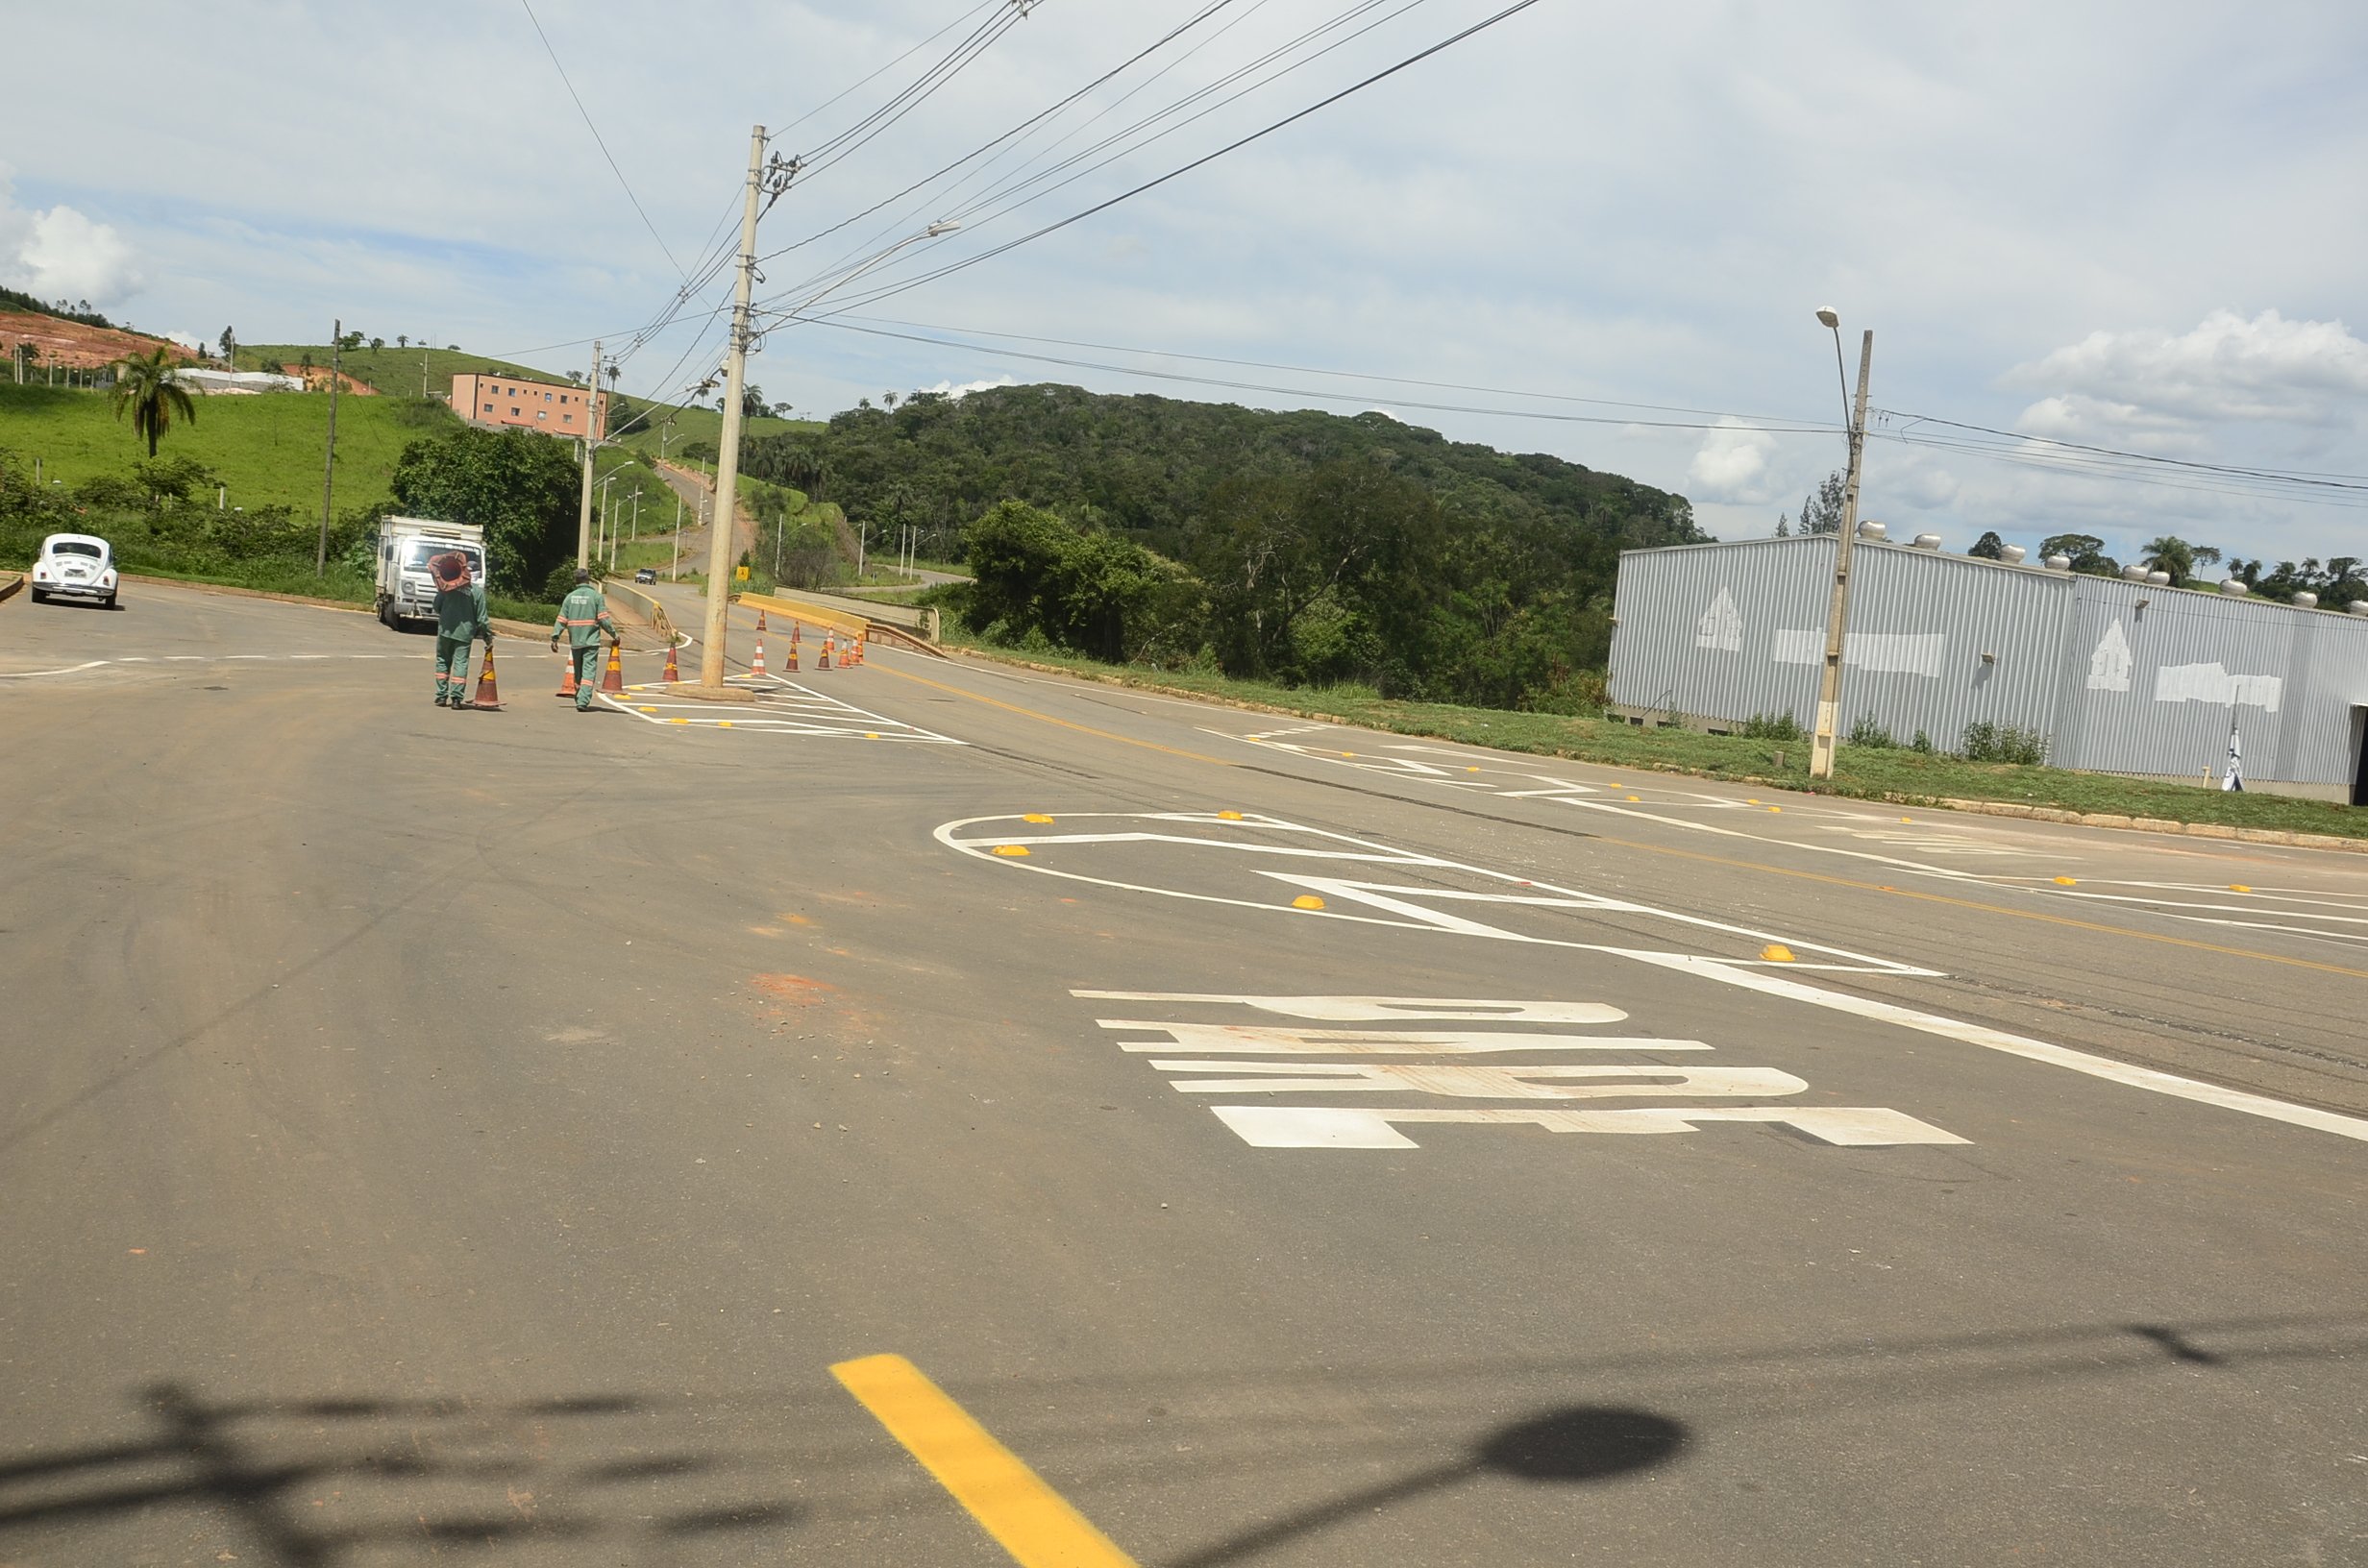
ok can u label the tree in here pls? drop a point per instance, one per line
(2085, 550)
(521, 485)
(229, 339)
(145, 384)
(888, 400)
(1989, 547)
(377, 344)
(1821, 512)
(1784, 525)
(615, 373)
(780, 410)
(2172, 555)
(752, 401)
(403, 340)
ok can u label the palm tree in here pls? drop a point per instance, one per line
(403, 340)
(888, 399)
(2172, 555)
(144, 383)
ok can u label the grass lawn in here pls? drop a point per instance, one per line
(1862, 771)
(266, 448)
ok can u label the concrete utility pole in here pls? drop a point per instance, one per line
(1838, 613)
(728, 459)
(591, 440)
(328, 465)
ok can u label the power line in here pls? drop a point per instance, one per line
(1104, 206)
(2301, 477)
(597, 138)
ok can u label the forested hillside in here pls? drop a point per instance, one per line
(1300, 546)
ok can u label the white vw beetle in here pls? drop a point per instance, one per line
(75, 566)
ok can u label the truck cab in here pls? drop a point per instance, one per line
(405, 592)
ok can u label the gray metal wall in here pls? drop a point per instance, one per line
(1726, 631)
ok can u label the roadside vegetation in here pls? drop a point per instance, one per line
(1777, 756)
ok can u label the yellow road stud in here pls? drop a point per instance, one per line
(1776, 952)
(1307, 900)
(1011, 848)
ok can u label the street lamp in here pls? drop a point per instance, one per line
(1837, 611)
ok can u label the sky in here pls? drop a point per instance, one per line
(1592, 230)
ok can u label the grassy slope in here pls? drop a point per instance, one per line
(708, 424)
(1859, 772)
(267, 449)
(390, 369)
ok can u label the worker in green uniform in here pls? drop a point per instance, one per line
(460, 619)
(584, 615)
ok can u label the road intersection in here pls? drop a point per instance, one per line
(1286, 1144)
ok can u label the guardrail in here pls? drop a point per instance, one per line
(921, 619)
(650, 609)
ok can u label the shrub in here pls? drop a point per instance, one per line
(1923, 743)
(1985, 742)
(1772, 727)
(1868, 731)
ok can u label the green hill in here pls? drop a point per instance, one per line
(391, 370)
(268, 449)
(1299, 546)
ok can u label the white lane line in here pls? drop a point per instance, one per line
(67, 670)
(2011, 1045)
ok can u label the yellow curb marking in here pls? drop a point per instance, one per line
(2067, 881)
(1035, 817)
(1229, 816)
(1030, 1520)
(2238, 887)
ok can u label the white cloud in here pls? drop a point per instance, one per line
(952, 389)
(1732, 464)
(2225, 368)
(62, 255)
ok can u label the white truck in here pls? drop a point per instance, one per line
(405, 590)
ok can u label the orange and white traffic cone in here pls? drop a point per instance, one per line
(827, 644)
(567, 672)
(672, 673)
(760, 623)
(855, 648)
(612, 679)
(488, 695)
(756, 665)
(790, 667)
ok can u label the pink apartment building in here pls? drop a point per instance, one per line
(554, 407)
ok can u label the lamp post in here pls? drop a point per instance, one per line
(1837, 611)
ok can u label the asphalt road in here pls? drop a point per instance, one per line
(434, 1133)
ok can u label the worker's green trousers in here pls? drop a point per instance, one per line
(452, 670)
(588, 673)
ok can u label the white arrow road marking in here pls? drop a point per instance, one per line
(1330, 1127)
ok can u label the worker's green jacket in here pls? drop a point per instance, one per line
(584, 615)
(460, 613)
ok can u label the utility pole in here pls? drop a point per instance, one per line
(591, 440)
(328, 465)
(1838, 613)
(728, 459)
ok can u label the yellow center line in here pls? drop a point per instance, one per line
(1065, 723)
(1031, 1521)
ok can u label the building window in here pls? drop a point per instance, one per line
(567, 419)
(489, 407)
(546, 396)
(540, 414)
(513, 413)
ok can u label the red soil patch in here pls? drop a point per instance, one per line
(71, 343)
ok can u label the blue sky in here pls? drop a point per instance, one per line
(2129, 225)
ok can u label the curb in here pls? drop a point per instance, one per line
(8, 590)
(1981, 808)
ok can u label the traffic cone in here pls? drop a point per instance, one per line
(826, 644)
(761, 622)
(567, 672)
(672, 673)
(488, 696)
(856, 646)
(756, 665)
(612, 679)
(791, 666)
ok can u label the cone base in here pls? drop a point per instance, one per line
(712, 694)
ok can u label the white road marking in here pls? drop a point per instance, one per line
(67, 670)
(2011, 1045)
(1401, 905)
(1549, 1081)
(1259, 1040)
(1360, 1127)
(1377, 1008)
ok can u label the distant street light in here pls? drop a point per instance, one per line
(1837, 611)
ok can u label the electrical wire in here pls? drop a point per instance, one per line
(2305, 476)
(597, 139)
(1024, 125)
(1235, 145)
